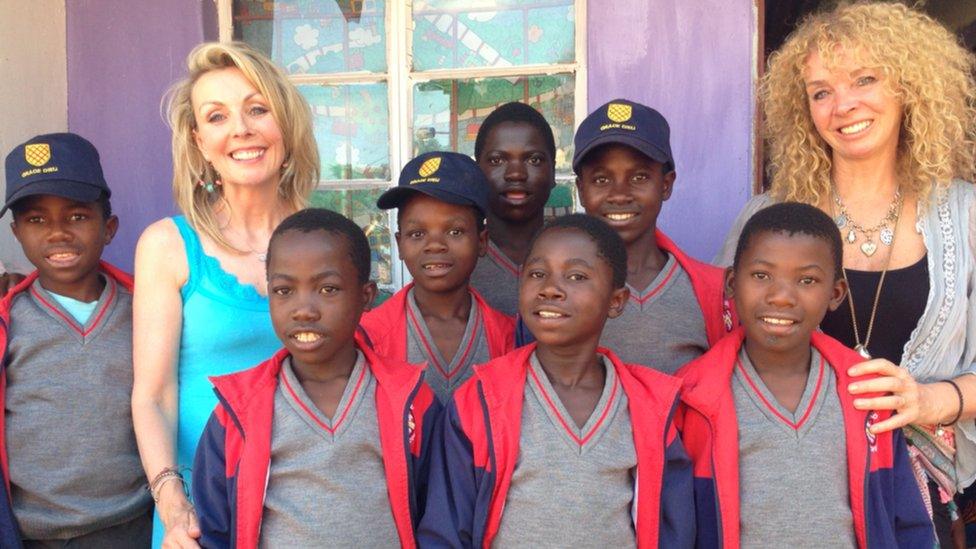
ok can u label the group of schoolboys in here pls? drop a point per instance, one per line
(419, 422)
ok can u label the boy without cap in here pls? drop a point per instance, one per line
(326, 442)
(782, 458)
(516, 151)
(438, 318)
(66, 332)
(560, 443)
(625, 172)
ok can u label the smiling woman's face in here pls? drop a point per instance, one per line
(236, 131)
(852, 108)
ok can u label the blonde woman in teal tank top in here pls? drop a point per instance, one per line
(243, 159)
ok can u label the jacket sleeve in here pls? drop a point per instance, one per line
(210, 484)
(677, 495)
(913, 526)
(448, 520)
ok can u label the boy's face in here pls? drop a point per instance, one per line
(566, 290)
(519, 169)
(439, 242)
(783, 286)
(315, 296)
(64, 239)
(624, 188)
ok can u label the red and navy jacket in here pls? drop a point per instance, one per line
(884, 497)
(708, 283)
(386, 326)
(477, 448)
(9, 530)
(232, 463)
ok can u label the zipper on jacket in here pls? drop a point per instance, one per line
(718, 505)
(867, 476)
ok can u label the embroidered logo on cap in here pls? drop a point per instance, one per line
(429, 166)
(618, 112)
(37, 154)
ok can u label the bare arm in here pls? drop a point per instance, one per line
(157, 311)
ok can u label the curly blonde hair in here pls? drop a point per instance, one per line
(925, 68)
(300, 172)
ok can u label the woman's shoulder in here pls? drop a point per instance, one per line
(163, 233)
(161, 247)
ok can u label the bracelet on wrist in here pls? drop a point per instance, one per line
(940, 428)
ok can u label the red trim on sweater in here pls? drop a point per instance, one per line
(502, 260)
(70, 321)
(657, 289)
(342, 414)
(772, 408)
(555, 409)
(432, 353)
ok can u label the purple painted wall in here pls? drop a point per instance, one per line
(122, 56)
(692, 61)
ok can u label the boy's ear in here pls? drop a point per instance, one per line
(483, 241)
(729, 282)
(111, 227)
(838, 294)
(618, 301)
(668, 184)
(369, 294)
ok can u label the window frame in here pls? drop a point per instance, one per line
(400, 80)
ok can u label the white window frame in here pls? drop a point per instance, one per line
(400, 81)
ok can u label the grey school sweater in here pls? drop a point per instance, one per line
(73, 463)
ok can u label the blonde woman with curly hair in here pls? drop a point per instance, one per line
(244, 158)
(870, 115)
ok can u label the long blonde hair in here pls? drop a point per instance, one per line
(924, 66)
(300, 173)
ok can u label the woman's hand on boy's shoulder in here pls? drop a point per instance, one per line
(901, 394)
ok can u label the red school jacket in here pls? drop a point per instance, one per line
(884, 497)
(477, 447)
(233, 459)
(9, 530)
(386, 326)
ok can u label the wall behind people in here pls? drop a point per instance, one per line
(33, 87)
(694, 62)
(122, 56)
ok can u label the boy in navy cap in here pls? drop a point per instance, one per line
(625, 172)
(67, 366)
(438, 318)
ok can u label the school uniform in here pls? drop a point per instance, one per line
(750, 453)
(60, 378)
(511, 467)
(397, 329)
(496, 277)
(271, 469)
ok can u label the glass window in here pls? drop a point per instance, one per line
(387, 81)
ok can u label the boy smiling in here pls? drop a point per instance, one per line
(560, 443)
(766, 411)
(326, 442)
(66, 332)
(625, 172)
(438, 319)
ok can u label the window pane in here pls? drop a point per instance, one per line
(360, 206)
(352, 130)
(492, 33)
(317, 37)
(448, 113)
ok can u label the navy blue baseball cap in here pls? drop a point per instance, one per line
(447, 176)
(628, 123)
(62, 164)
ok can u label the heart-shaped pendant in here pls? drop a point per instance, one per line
(868, 248)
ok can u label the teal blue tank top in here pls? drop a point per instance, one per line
(226, 328)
